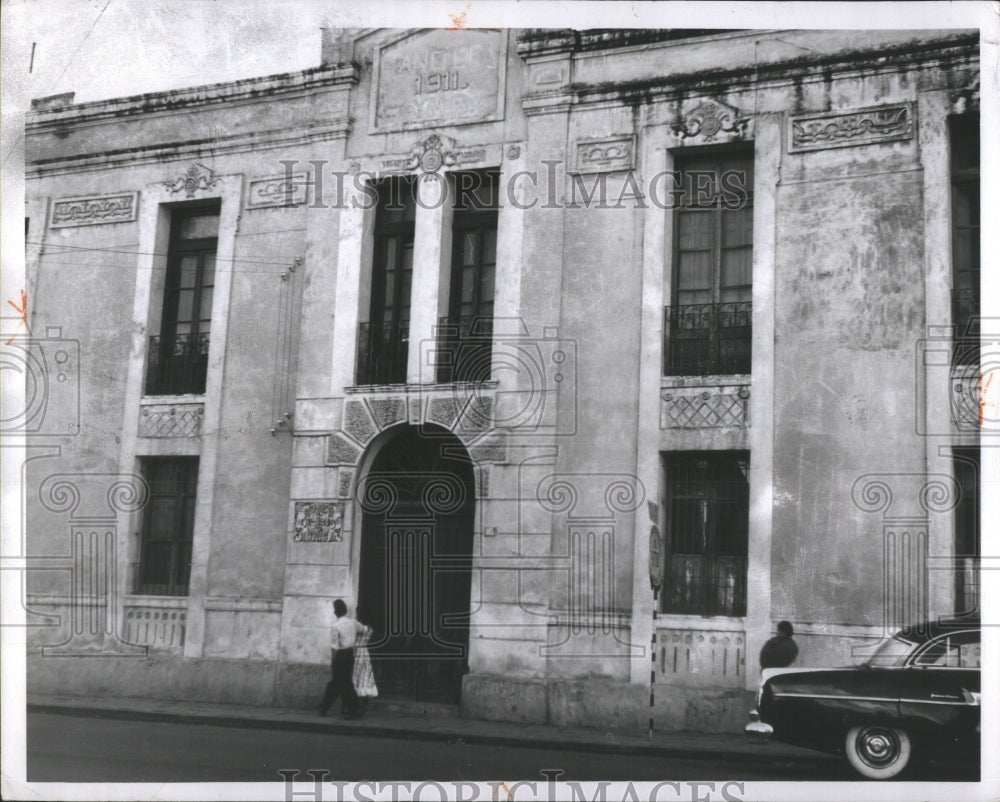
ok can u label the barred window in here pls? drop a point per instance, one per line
(466, 347)
(383, 340)
(168, 526)
(707, 515)
(178, 357)
(707, 325)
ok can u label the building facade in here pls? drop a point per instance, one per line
(489, 332)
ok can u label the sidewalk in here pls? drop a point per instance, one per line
(436, 724)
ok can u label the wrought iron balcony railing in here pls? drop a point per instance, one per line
(705, 339)
(178, 364)
(965, 314)
(465, 349)
(382, 352)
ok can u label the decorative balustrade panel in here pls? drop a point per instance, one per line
(707, 339)
(158, 627)
(704, 407)
(702, 656)
(171, 420)
(178, 364)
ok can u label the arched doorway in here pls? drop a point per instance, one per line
(418, 506)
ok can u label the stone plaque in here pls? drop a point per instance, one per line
(279, 190)
(846, 128)
(94, 210)
(318, 521)
(439, 77)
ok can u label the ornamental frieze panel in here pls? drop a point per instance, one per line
(94, 210)
(279, 190)
(866, 126)
(605, 155)
(705, 121)
(439, 77)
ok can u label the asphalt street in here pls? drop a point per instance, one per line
(74, 748)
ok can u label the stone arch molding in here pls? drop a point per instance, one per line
(470, 417)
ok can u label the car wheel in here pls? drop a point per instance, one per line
(877, 752)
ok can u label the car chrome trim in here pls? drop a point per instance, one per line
(841, 696)
(848, 698)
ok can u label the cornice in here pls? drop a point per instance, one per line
(198, 148)
(270, 86)
(947, 52)
(540, 42)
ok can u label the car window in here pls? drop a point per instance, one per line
(960, 650)
(891, 652)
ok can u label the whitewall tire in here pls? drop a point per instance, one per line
(876, 751)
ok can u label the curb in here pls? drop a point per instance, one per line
(407, 733)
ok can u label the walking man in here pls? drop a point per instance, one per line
(343, 636)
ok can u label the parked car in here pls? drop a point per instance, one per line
(915, 697)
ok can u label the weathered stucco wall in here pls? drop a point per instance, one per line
(839, 231)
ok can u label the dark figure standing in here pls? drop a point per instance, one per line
(780, 650)
(343, 635)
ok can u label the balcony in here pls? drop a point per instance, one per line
(382, 353)
(707, 339)
(465, 349)
(178, 364)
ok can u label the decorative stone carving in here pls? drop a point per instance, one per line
(281, 190)
(482, 475)
(702, 657)
(95, 210)
(431, 154)
(157, 627)
(468, 412)
(344, 488)
(388, 411)
(443, 411)
(198, 178)
(707, 120)
(341, 452)
(477, 415)
(843, 129)
(436, 77)
(605, 155)
(358, 423)
(704, 407)
(493, 449)
(171, 420)
(318, 522)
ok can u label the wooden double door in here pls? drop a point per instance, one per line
(416, 564)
